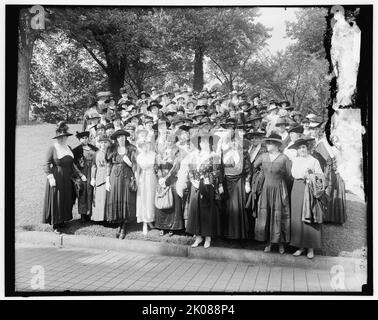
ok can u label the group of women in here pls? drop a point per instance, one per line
(250, 172)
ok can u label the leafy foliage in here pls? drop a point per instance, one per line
(63, 79)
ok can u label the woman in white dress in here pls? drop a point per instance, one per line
(146, 181)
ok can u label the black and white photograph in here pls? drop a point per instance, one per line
(188, 150)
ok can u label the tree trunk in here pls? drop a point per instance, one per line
(23, 85)
(115, 81)
(198, 68)
(27, 37)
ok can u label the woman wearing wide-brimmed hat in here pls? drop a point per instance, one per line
(255, 150)
(120, 178)
(273, 217)
(60, 169)
(84, 155)
(203, 170)
(304, 234)
(98, 177)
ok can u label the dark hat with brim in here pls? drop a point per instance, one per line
(119, 132)
(281, 122)
(305, 120)
(201, 106)
(199, 114)
(185, 127)
(244, 103)
(154, 103)
(143, 92)
(137, 115)
(171, 113)
(256, 95)
(83, 134)
(297, 129)
(274, 137)
(286, 102)
(255, 134)
(300, 142)
(62, 130)
(251, 120)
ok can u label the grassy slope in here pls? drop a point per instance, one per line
(31, 145)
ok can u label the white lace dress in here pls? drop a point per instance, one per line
(147, 182)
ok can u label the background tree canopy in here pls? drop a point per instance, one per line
(87, 49)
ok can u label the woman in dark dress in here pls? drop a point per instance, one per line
(255, 150)
(166, 167)
(84, 155)
(304, 235)
(203, 171)
(121, 202)
(273, 220)
(237, 176)
(60, 190)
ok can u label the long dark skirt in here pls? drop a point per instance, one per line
(121, 201)
(204, 213)
(336, 207)
(303, 235)
(85, 200)
(235, 219)
(273, 220)
(59, 200)
(170, 219)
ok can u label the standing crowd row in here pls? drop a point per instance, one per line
(210, 165)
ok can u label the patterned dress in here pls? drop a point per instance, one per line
(84, 160)
(99, 192)
(146, 181)
(273, 220)
(204, 215)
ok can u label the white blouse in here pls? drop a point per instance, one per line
(62, 151)
(301, 165)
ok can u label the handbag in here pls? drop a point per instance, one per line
(163, 198)
(132, 184)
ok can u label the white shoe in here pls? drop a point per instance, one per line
(310, 253)
(298, 252)
(145, 228)
(197, 242)
(207, 242)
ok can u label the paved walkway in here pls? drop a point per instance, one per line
(40, 268)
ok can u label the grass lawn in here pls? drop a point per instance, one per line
(32, 143)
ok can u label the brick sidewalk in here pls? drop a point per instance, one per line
(77, 269)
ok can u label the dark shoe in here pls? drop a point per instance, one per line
(82, 218)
